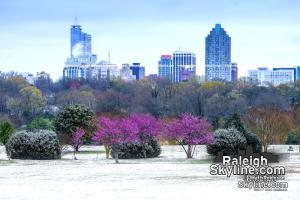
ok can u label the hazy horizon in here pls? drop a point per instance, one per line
(35, 35)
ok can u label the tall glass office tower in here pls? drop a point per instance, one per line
(81, 54)
(218, 55)
(81, 43)
(184, 66)
(165, 66)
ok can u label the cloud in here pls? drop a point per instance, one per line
(77, 50)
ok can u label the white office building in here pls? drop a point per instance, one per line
(102, 70)
(126, 73)
(264, 77)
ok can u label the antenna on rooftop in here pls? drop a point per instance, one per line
(109, 56)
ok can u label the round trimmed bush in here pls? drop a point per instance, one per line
(227, 141)
(40, 145)
(135, 150)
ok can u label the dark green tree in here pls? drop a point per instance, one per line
(294, 137)
(6, 130)
(71, 118)
(234, 121)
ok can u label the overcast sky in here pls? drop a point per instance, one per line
(35, 34)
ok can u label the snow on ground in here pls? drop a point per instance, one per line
(169, 177)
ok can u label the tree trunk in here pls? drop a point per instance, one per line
(74, 155)
(265, 146)
(189, 152)
(106, 151)
(116, 155)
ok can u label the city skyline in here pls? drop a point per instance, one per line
(39, 40)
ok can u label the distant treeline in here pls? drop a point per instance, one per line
(21, 102)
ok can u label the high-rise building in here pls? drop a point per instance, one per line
(218, 55)
(138, 71)
(126, 73)
(81, 43)
(264, 77)
(74, 71)
(298, 72)
(165, 66)
(234, 72)
(81, 54)
(294, 69)
(184, 65)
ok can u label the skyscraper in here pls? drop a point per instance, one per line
(81, 56)
(234, 72)
(218, 55)
(138, 71)
(81, 43)
(165, 66)
(184, 65)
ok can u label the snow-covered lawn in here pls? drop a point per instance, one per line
(169, 177)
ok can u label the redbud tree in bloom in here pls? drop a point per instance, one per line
(76, 140)
(112, 131)
(189, 131)
(148, 126)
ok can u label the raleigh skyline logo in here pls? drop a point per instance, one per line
(258, 175)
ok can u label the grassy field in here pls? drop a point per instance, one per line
(171, 176)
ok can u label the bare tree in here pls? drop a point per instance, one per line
(270, 124)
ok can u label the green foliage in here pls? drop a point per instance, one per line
(227, 141)
(234, 121)
(212, 84)
(253, 141)
(135, 150)
(294, 137)
(39, 123)
(6, 130)
(71, 118)
(159, 97)
(32, 102)
(40, 145)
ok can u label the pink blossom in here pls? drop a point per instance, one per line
(107, 131)
(189, 130)
(148, 126)
(76, 138)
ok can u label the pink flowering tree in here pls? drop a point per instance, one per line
(128, 132)
(107, 132)
(189, 131)
(148, 126)
(114, 131)
(76, 140)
